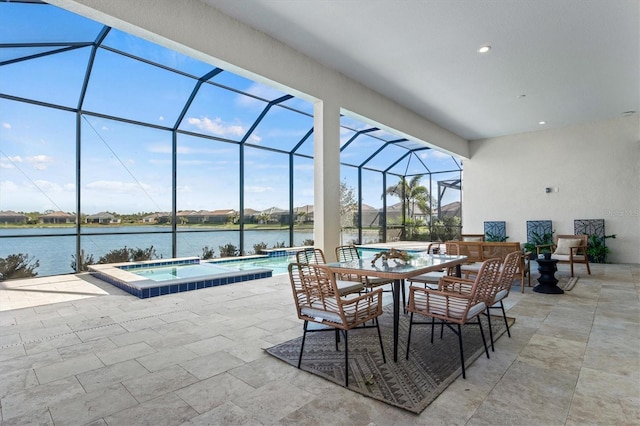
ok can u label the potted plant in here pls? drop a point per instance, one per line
(495, 238)
(597, 250)
(539, 240)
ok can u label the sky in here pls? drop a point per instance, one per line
(127, 168)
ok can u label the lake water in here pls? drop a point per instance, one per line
(55, 252)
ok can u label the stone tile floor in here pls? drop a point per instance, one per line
(75, 350)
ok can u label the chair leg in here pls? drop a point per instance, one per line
(384, 359)
(588, 268)
(464, 376)
(571, 269)
(484, 341)
(304, 336)
(504, 315)
(433, 326)
(409, 335)
(337, 339)
(490, 329)
(346, 360)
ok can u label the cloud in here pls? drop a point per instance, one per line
(116, 186)
(257, 189)
(39, 162)
(217, 127)
(6, 125)
(261, 91)
(434, 154)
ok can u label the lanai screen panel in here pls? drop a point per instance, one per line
(220, 112)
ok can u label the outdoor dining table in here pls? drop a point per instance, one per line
(398, 271)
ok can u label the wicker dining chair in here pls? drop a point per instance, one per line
(348, 253)
(315, 256)
(317, 300)
(432, 279)
(502, 287)
(499, 290)
(455, 306)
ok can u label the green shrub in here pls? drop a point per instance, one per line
(279, 245)
(18, 266)
(207, 253)
(258, 247)
(308, 242)
(85, 261)
(128, 255)
(229, 250)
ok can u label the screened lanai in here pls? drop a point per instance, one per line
(108, 140)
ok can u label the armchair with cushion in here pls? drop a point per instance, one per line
(472, 237)
(568, 249)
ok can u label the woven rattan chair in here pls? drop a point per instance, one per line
(431, 279)
(349, 253)
(315, 256)
(317, 300)
(457, 306)
(502, 287)
(499, 291)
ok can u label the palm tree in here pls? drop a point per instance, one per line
(413, 194)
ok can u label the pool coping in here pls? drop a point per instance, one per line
(114, 274)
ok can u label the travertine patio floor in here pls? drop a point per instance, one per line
(75, 350)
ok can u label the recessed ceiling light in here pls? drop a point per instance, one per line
(484, 49)
(542, 122)
(626, 113)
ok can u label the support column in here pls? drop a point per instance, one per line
(326, 151)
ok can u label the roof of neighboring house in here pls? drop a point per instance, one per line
(274, 210)
(11, 213)
(451, 209)
(101, 215)
(398, 207)
(57, 214)
(304, 209)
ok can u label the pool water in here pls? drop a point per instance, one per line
(166, 273)
(278, 264)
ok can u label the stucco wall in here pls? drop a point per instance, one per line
(595, 168)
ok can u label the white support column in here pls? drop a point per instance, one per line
(326, 150)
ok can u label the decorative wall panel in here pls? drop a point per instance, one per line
(539, 227)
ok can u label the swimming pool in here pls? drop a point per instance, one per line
(160, 277)
(157, 278)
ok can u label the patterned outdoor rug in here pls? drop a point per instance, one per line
(567, 283)
(411, 384)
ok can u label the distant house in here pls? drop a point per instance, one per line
(57, 218)
(304, 214)
(450, 210)
(223, 216)
(9, 216)
(156, 218)
(370, 216)
(394, 213)
(103, 218)
(275, 215)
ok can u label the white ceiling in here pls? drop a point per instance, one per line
(575, 60)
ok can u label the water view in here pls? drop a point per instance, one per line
(54, 251)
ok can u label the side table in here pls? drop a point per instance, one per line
(548, 283)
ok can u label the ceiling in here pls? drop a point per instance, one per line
(560, 61)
